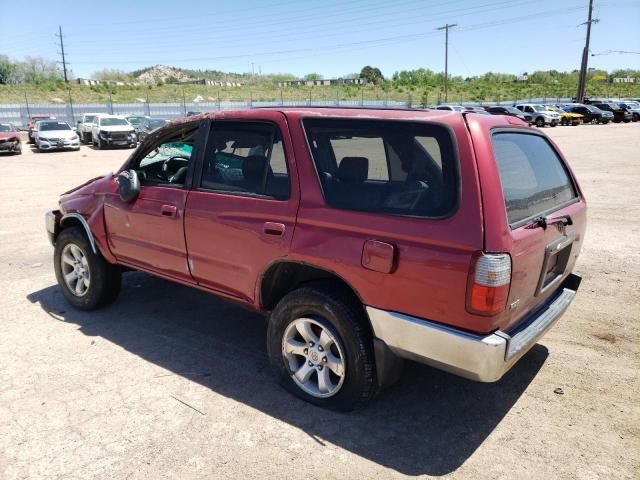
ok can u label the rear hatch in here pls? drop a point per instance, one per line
(545, 220)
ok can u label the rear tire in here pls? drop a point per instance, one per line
(329, 317)
(86, 279)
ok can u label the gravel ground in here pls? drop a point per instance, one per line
(169, 382)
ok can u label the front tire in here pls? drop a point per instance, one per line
(539, 122)
(320, 348)
(86, 279)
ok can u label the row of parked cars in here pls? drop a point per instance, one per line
(560, 114)
(100, 130)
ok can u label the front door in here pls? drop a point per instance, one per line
(241, 212)
(149, 232)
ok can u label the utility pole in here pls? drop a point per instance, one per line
(582, 82)
(64, 61)
(446, 58)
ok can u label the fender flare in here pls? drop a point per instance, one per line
(85, 225)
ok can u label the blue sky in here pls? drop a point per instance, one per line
(331, 37)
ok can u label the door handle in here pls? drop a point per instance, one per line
(168, 210)
(272, 228)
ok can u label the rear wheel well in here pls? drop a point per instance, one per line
(284, 277)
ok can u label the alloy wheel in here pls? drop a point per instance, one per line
(315, 357)
(75, 270)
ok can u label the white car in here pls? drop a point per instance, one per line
(85, 125)
(55, 135)
(113, 131)
(540, 115)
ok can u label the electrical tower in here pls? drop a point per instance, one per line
(62, 54)
(446, 58)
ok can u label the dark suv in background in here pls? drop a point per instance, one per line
(591, 113)
(619, 113)
(510, 111)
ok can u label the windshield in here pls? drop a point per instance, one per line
(614, 106)
(90, 119)
(153, 124)
(538, 108)
(135, 120)
(49, 126)
(112, 122)
(6, 128)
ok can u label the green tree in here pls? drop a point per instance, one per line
(312, 76)
(372, 74)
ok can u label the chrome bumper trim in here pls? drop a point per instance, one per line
(484, 358)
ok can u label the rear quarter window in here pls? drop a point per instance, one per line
(387, 167)
(534, 179)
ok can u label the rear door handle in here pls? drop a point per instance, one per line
(168, 210)
(272, 228)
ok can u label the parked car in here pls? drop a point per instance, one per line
(112, 131)
(9, 139)
(449, 239)
(509, 111)
(150, 125)
(567, 118)
(476, 109)
(619, 113)
(590, 113)
(32, 125)
(136, 122)
(455, 108)
(85, 125)
(633, 108)
(55, 135)
(540, 115)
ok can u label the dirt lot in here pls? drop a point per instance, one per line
(173, 383)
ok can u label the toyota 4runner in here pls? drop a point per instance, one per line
(365, 237)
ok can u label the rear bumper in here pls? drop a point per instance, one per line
(481, 358)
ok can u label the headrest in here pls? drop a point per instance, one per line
(253, 168)
(353, 169)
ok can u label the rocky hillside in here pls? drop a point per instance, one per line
(162, 73)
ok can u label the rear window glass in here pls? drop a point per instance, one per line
(534, 179)
(388, 167)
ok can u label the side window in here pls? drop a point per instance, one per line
(246, 158)
(166, 164)
(392, 167)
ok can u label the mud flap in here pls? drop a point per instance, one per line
(388, 365)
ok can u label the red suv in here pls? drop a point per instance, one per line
(366, 236)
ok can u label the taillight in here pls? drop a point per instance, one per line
(488, 283)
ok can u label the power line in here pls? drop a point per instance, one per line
(64, 61)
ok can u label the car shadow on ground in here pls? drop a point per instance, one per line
(430, 422)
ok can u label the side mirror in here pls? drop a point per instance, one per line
(128, 185)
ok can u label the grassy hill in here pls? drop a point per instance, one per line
(477, 92)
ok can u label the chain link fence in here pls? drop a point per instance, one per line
(19, 114)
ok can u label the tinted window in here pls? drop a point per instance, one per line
(384, 166)
(246, 158)
(534, 179)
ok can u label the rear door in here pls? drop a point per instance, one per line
(241, 213)
(545, 218)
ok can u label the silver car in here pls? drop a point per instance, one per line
(55, 135)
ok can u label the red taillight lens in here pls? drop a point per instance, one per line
(488, 283)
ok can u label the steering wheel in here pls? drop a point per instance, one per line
(165, 164)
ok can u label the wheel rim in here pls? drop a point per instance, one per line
(75, 269)
(315, 357)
